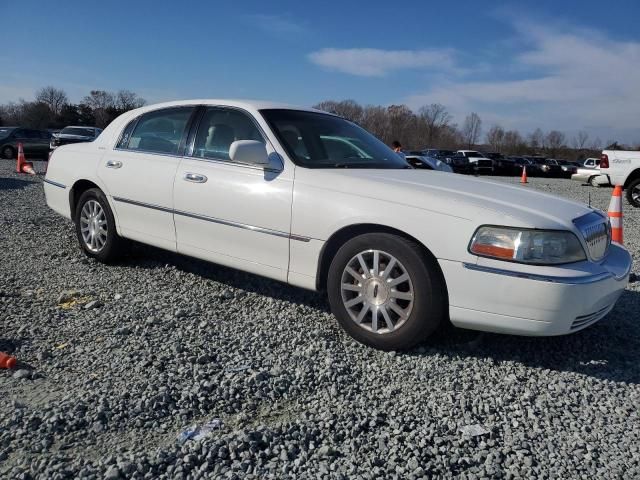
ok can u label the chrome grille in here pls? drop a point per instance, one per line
(596, 231)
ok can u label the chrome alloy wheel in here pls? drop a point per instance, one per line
(377, 291)
(93, 226)
(635, 194)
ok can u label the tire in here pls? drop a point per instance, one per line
(9, 153)
(633, 193)
(592, 181)
(421, 315)
(104, 247)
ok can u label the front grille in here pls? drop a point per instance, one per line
(585, 320)
(485, 164)
(596, 231)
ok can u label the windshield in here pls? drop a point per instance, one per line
(318, 140)
(84, 132)
(4, 132)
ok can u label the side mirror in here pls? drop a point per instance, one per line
(249, 151)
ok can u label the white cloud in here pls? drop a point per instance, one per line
(570, 79)
(371, 62)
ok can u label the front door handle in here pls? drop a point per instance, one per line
(113, 164)
(195, 177)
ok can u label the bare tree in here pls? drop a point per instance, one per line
(127, 100)
(580, 141)
(53, 97)
(100, 102)
(349, 109)
(402, 125)
(434, 118)
(495, 137)
(513, 142)
(596, 144)
(554, 141)
(536, 140)
(376, 121)
(471, 129)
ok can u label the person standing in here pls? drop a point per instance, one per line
(397, 147)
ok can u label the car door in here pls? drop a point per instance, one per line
(229, 213)
(139, 173)
(20, 136)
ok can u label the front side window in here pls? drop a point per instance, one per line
(160, 131)
(318, 140)
(219, 128)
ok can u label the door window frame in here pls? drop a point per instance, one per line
(183, 139)
(191, 139)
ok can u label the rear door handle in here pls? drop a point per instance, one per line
(194, 177)
(113, 164)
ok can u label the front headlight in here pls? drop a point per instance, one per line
(538, 247)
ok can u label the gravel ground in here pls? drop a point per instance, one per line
(116, 362)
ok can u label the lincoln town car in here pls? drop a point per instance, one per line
(313, 200)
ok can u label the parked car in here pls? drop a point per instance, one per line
(589, 172)
(567, 168)
(622, 167)
(458, 163)
(543, 168)
(502, 165)
(254, 186)
(74, 135)
(425, 162)
(482, 164)
(35, 143)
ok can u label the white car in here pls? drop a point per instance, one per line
(483, 164)
(590, 173)
(310, 199)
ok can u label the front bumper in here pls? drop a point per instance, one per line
(502, 300)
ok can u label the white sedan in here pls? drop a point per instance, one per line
(310, 199)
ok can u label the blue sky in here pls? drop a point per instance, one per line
(571, 65)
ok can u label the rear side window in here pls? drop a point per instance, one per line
(159, 132)
(219, 128)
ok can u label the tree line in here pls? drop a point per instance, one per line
(432, 126)
(52, 109)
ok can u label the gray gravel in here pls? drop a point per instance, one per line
(116, 362)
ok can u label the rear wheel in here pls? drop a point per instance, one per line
(9, 153)
(633, 193)
(96, 228)
(592, 181)
(385, 291)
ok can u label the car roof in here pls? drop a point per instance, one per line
(246, 104)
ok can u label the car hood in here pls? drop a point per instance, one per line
(452, 194)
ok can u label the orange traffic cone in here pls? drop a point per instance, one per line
(7, 361)
(27, 167)
(615, 215)
(21, 159)
(523, 178)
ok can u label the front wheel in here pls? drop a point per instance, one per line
(8, 153)
(96, 227)
(633, 193)
(386, 292)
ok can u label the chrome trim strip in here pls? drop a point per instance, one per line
(541, 278)
(205, 218)
(142, 204)
(55, 184)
